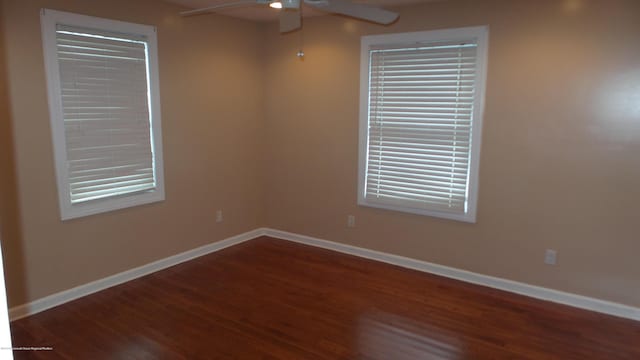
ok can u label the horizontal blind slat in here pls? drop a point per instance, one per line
(112, 184)
(96, 195)
(446, 185)
(426, 197)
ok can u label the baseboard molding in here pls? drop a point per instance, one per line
(537, 292)
(60, 298)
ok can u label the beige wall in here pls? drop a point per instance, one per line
(559, 163)
(10, 234)
(211, 85)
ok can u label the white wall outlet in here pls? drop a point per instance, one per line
(351, 221)
(550, 257)
(219, 216)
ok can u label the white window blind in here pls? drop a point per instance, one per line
(421, 100)
(104, 100)
(105, 106)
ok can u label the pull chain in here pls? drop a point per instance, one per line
(300, 53)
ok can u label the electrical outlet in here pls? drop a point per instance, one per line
(550, 257)
(351, 221)
(219, 216)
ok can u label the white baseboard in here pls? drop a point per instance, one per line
(537, 292)
(62, 297)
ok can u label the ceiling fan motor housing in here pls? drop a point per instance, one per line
(290, 4)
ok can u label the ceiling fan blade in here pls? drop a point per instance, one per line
(358, 11)
(213, 8)
(290, 20)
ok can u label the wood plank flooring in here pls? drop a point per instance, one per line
(272, 299)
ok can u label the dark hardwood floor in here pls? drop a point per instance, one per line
(272, 299)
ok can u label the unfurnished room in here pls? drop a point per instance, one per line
(320, 179)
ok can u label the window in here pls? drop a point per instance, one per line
(421, 104)
(102, 78)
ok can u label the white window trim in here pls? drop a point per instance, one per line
(481, 34)
(49, 20)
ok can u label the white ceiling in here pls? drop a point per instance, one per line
(265, 13)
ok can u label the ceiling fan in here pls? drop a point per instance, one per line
(290, 15)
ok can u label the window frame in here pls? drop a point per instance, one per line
(478, 33)
(49, 20)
